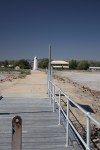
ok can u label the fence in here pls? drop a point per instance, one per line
(52, 88)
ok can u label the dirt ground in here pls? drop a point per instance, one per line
(83, 88)
(34, 85)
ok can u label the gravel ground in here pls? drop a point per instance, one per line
(3, 76)
(8, 76)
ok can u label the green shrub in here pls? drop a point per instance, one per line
(83, 65)
(24, 73)
(43, 64)
(73, 64)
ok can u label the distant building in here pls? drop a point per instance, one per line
(60, 64)
(10, 66)
(94, 68)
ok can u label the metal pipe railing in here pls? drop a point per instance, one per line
(59, 104)
(89, 118)
(53, 96)
(67, 125)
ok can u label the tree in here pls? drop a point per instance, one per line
(1, 63)
(83, 65)
(23, 64)
(5, 63)
(94, 63)
(43, 63)
(73, 64)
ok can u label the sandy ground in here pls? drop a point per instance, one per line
(88, 79)
(82, 87)
(34, 85)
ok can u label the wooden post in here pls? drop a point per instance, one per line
(17, 133)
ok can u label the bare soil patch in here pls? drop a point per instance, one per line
(79, 91)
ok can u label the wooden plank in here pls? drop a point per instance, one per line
(40, 125)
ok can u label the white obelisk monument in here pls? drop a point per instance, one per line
(35, 65)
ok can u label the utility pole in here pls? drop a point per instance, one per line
(49, 62)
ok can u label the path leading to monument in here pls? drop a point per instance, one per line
(34, 85)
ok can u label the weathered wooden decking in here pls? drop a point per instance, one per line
(40, 129)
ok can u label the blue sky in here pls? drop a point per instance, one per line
(72, 27)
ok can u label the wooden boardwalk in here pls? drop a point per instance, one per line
(40, 129)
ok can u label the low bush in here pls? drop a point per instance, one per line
(24, 73)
